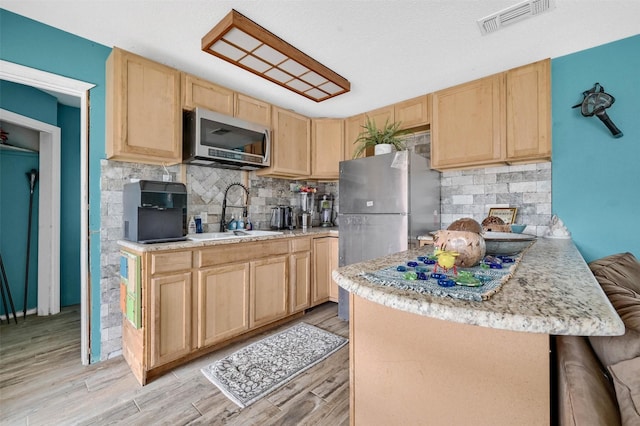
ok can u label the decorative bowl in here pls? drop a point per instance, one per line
(518, 228)
(506, 243)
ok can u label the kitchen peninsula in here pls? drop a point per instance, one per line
(422, 359)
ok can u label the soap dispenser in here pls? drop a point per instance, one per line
(192, 225)
(233, 224)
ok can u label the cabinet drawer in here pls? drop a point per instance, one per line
(300, 244)
(241, 252)
(170, 262)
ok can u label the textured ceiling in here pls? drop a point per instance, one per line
(388, 50)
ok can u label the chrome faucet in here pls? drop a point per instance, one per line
(244, 206)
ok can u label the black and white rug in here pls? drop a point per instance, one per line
(254, 371)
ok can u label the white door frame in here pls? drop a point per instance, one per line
(47, 81)
(49, 210)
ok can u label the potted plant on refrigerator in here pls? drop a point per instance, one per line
(384, 140)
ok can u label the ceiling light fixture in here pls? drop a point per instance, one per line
(242, 42)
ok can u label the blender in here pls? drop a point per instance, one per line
(326, 211)
(306, 209)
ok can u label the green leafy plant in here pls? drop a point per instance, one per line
(390, 133)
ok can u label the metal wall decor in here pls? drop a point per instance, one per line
(595, 102)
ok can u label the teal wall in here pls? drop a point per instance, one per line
(33, 44)
(36, 104)
(69, 123)
(14, 197)
(596, 177)
(14, 208)
(28, 101)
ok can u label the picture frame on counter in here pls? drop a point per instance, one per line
(507, 214)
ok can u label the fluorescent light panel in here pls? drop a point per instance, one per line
(242, 42)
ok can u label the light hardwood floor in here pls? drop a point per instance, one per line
(42, 382)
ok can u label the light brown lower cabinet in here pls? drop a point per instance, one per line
(170, 317)
(268, 291)
(223, 303)
(300, 275)
(333, 286)
(198, 300)
(325, 260)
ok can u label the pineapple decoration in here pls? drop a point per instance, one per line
(446, 260)
(462, 242)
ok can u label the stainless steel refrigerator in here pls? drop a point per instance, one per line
(386, 202)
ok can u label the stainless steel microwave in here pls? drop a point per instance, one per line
(218, 140)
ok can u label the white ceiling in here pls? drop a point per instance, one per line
(388, 50)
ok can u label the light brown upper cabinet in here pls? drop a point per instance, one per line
(529, 112)
(252, 110)
(414, 112)
(143, 114)
(290, 145)
(327, 147)
(197, 92)
(381, 115)
(468, 124)
(496, 120)
(352, 128)
(200, 93)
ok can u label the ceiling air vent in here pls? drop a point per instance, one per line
(510, 15)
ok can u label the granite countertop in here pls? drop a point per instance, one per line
(551, 292)
(312, 232)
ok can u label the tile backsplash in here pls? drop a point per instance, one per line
(471, 193)
(468, 193)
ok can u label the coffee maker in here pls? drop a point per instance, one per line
(326, 211)
(154, 211)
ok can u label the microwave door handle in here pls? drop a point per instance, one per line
(267, 153)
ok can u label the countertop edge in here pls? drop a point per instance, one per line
(177, 245)
(571, 319)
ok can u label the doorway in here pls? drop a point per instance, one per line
(79, 90)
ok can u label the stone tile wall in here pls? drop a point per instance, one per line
(205, 193)
(471, 193)
(114, 175)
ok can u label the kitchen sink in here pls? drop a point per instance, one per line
(213, 236)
